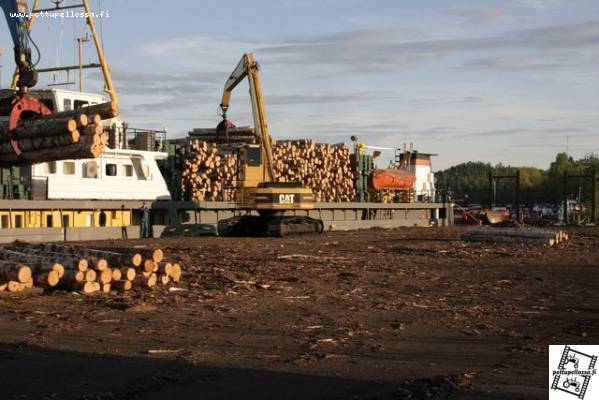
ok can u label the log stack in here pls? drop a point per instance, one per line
(210, 172)
(324, 168)
(72, 134)
(86, 270)
(534, 236)
(210, 169)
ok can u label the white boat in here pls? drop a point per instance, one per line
(119, 174)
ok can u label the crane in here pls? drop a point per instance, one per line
(16, 13)
(22, 107)
(258, 191)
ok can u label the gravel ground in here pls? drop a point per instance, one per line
(372, 314)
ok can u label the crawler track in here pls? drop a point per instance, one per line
(276, 226)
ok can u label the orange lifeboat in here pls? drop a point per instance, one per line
(393, 179)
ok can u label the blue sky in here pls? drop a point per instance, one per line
(498, 81)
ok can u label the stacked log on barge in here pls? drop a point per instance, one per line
(210, 169)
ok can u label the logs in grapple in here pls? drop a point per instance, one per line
(210, 170)
(72, 134)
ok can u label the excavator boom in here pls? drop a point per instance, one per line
(248, 67)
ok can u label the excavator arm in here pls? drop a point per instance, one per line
(248, 67)
(16, 12)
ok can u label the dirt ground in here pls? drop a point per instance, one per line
(373, 314)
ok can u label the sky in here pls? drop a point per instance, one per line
(512, 81)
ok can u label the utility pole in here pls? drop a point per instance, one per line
(80, 41)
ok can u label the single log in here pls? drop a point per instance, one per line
(116, 274)
(146, 281)
(94, 119)
(164, 279)
(177, 272)
(136, 254)
(510, 239)
(72, 280)
(166, 268)
(37, 262)
(99, 264)
(73, 151)
(109, 256)
(14, 286)
(40, 127)
(128, 273)
(86, 287)
(36, 256)
(105, 276)
(106, 287)
(516, 232)
(47, 279)
(122, 286)
(106, 110)
(90, 275)
(149, 265)
(10, 271)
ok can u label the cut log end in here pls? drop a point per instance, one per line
(157, 255)
(177, 272)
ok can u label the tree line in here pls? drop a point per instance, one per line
(537, 186)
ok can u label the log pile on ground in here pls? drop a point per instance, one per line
(72, 134)
(77, 268)
(535, 236)
(210, 169)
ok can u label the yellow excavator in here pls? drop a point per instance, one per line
(269, 205)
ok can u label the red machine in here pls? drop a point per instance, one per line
(393, 179)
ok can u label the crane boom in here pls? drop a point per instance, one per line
(16, 13)
(248, 67)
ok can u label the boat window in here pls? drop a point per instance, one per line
(128, 170)
(110, 169)
(49, 221)
(141, 169)
(4, 221)
(52, 167)
(91, 169)
(68, 168)
(18, 221)
(67, 105)
(81, 103)
(65, 221)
